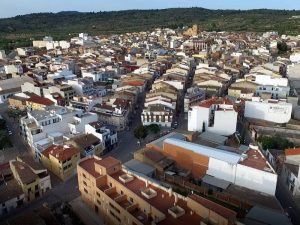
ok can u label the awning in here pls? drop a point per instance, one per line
(216, 182)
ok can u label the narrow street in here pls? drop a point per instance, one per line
(287, 202)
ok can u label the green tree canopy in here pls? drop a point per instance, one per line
(275, 142)
(140, 132)
(154, 128)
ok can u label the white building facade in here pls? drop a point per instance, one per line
(271, 110)
(220, 119)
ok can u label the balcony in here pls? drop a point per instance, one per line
(123, 202)
(139, 215)
(176, 211)
(112, 193)
(149, 193)
(125, 178)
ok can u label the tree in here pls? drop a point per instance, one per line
(140, 132)
(275, 142)
(154, 128)
(282, 47)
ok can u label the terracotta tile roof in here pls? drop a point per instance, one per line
(225, 212)
(292, 151)
(96, 125)
(60, 152)
(121, 102)
(163, 201)
(215, 101)
(255, 160)
(40, 100)
(10, 190)
(88, 164)
(108, 162)
(133, 83)
(24, 172)
(85, 140)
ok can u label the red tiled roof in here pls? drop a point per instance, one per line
(225, 212)
(60, 152)
(292, 151)
(40, 100)
(215, 101)
(255, 160)
(121, 102)
(133, 83)
(108, 162)
(96, 125)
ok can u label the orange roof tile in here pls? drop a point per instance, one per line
(292, 151)
(108, 162)
(215, 101)
(40, 100)
(61, 152)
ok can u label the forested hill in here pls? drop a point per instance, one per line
(61, 24)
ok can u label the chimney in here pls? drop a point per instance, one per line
(170, 191)
(176, 198)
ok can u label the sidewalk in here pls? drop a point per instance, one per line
(87, 216)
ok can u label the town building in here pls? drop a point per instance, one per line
(290, 171)
(216, 115)
(123, 197)
(61, 160)
(248, 168)
(9, 87)
(271, 110)
(41, 128)
(87, 144)
(31, 177)
(106, 133)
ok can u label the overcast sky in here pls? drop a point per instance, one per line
(9, 8)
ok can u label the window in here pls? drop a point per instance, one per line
(85, 184)
(98, 194)
(83, 175)
(85, 190)
(122, 192)
(131, 200)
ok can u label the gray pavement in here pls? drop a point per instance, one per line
(60, 192)
(86, 214)
(19, 147)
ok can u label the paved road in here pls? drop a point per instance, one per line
(60, 192)
(127, 143)
(19, 148)
(86, 214)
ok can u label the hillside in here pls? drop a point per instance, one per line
(18, 30)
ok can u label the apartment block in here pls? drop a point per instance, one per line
(121, 197)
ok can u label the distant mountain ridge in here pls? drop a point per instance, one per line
(60, 25)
